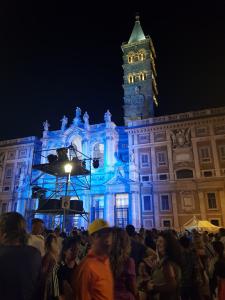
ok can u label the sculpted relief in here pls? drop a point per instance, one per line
(181, 137)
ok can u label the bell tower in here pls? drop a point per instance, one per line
(139, 80)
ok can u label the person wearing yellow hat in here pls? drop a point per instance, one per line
(93, 278)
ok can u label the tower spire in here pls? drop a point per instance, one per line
(137, 32)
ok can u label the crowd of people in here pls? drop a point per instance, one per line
(108, 263)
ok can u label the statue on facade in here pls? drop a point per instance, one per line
(86, 119)
(78, 112)
(107, 117)
(64, 121)
(46, 125)
(77, 119)
(181, 137)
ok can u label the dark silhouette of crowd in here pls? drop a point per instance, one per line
(108, 263)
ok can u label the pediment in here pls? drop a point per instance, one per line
(119, 180)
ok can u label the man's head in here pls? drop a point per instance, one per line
(37, 226)
(100, 236)
(130, 229)
(12, 229)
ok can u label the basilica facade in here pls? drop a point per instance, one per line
(152, 172)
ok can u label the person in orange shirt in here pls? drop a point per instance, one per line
(93, 278)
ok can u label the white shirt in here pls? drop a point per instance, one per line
(38, 242)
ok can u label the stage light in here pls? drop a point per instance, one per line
(95, 163)
(68, 168)
(62, 154)
(52, 158)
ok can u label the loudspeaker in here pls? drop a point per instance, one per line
(49, 204)
(65, 202)
(76, 205)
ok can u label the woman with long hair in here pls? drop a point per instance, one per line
(166, 274)
(20, 264)
(67, 266)
(123, 266)
(50, 267)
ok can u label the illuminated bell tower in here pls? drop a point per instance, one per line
(139, 84)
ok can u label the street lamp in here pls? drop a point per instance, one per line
(67, 168)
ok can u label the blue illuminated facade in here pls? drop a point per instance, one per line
(114, 192)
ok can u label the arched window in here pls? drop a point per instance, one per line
(184, 173)
(141, 55)
(143, 76)
(98, 153)
(130, 78)
(130, 57)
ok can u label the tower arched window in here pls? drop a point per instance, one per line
(143, 76)
(141, 55)
(130, 78)
(130, 57)
(98, 153)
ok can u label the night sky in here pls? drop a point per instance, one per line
(55, 56)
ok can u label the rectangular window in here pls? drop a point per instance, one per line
(165, 202)
(161, 158)
(204, 154)
(143, 138)
(11, 155)
(222, 152)
(6, 188)
(166, 223)
(145, 178)
(207, 173)
(201, 131)
(211, 200)
(23, 153)
(98, 204)
(147, 203)
(162, 177)
(8, 172)
(215, 222)
(121, 210)
(145, 160)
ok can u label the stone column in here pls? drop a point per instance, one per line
(85, 150)
(136, 209)
(153, 164)
(86, 197)
(109, 211)
(222, 203)
(215, 155)
(170, 160)
(175, 212)
(202, 205)
(110, 148)
(196, 158)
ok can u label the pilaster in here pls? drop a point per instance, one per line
(202, 205)
(175, 212)
(222, 203)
